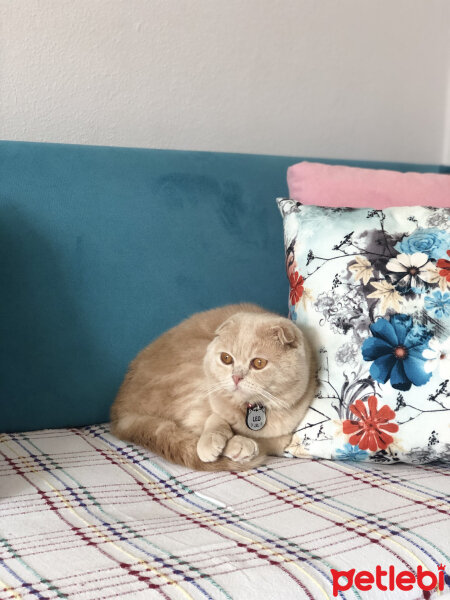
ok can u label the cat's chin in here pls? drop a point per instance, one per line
(242, 397)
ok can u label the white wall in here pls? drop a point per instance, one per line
(326, 78)
(446, 128)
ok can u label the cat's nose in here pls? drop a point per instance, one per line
(237, 379)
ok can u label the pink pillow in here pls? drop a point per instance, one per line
(329, 185)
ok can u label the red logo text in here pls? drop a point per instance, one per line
(388, 580)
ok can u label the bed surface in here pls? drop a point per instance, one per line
(87, 517)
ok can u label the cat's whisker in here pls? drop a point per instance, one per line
(276, 398)
(277, 401)
(260, 391)
(219, 383)
(215, 388)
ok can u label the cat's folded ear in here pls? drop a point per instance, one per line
(288, 334)
(225, 325)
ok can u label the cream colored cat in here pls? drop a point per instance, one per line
(187, 395)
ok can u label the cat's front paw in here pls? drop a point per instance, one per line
(210, 446)
(241, 449)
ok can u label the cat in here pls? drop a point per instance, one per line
(189, 395)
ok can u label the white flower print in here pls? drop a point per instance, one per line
(438, 355)
(412, 269)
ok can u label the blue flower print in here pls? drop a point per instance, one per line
(432, 241)
(396, 351)
(350, 452)
(438, 304)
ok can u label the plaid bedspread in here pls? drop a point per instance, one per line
(87, 517)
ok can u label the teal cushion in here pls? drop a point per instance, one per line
(102, 249)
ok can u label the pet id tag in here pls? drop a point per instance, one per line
(256, 416)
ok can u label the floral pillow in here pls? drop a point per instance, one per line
(371, 289)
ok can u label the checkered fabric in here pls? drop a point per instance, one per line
(87, 517)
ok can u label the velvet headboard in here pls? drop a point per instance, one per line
(102, 249)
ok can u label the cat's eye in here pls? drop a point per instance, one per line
(226, 358)
(258, 363)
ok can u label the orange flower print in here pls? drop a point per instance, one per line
(444, 265)
(296, 283)
(369, 430)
